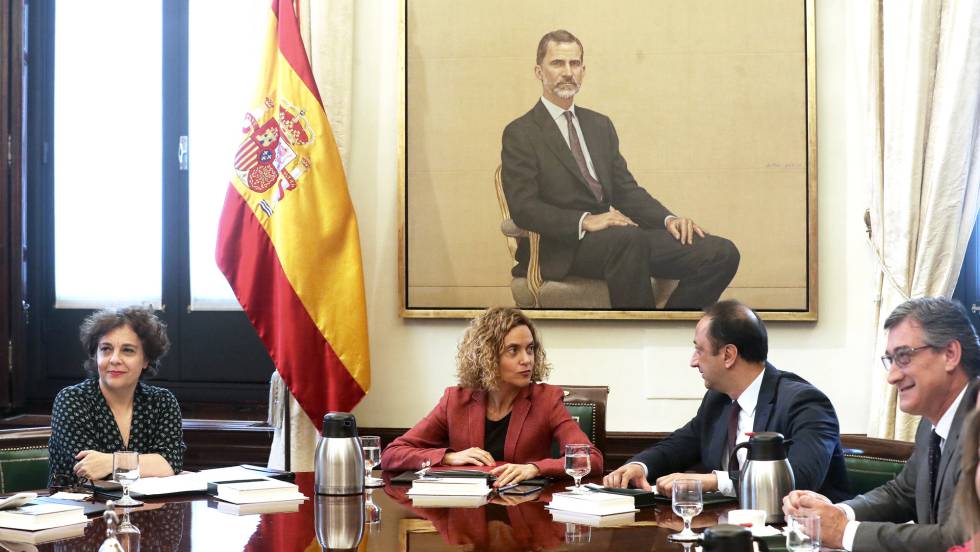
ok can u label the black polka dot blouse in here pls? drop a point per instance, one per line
(81, 420)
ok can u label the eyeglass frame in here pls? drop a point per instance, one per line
(888, 360)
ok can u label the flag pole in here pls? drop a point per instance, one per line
(287, 427)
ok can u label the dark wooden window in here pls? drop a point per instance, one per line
(217, 365)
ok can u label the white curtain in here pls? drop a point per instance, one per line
(914, 138)
(327, 28)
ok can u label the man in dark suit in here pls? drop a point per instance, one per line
(565, 179)
(933, 359)
(745, 394)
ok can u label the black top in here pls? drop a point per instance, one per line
(494, 435)
(81, 420)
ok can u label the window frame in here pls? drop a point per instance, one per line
(215, 356)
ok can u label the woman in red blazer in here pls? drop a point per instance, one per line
(498, 415)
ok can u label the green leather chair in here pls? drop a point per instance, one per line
(587, 406)
(868, 472)
(23, 469)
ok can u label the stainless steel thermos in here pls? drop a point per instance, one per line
(339, 458)
(339, 521)
(766, 476)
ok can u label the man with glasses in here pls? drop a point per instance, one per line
(932, 359)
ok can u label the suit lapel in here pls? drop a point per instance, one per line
(949, 456)
(767, 396)
(719, 438)
(556, 143)
(477, 415)
(590, 133)
(518, 414)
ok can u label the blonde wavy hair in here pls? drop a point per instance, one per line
(478, 356)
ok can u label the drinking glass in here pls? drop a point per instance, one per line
(803, 533)
(125, 471)
(577, 534)
(687, 502)
(371, 445)
(372, 512)
(128, 534)
(577, 463)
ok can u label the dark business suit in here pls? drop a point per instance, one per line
(787, 404)
(547, 194)
(884, 511)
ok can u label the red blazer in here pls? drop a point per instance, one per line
(457, 423)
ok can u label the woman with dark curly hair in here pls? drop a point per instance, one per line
(500, 414)
(113, 410)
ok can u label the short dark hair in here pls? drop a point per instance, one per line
(733, 323)
(942, 321)
(151, 330)
(561, 36)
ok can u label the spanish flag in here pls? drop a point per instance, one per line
(288, 241)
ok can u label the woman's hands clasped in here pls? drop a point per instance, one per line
(506, 473)
(92, 464)
(514, 473)
(473, 456)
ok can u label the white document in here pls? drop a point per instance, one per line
(185, 482)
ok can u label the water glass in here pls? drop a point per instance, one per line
(371, 445)
(126, 471)
(577, 463)
(128, 534)
(372, 512)
(577, 534)
(803, 533)
(687, 502)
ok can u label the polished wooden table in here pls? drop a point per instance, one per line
(194, 523)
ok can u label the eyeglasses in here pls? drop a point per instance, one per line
(902, 357)
(70, 483)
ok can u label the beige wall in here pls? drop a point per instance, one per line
(708, 98)
(644, 363)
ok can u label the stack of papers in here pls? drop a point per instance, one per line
(41, 536)
(450, 486)
(593, 503)
(611, 520)
(281, 506)
(35, 517)
(256, 490)
(450, 501)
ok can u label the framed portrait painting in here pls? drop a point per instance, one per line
(704, 107)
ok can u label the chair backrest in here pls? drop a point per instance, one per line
(23, 469)
(587, 406)
(24, 459)
(868, 472)
(505, 213)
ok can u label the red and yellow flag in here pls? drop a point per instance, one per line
(288, 241)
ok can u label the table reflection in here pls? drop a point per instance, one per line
(510, 523)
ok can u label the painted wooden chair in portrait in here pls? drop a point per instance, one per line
(573, 292)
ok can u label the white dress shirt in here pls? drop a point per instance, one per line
(747, 401)
(941, 429)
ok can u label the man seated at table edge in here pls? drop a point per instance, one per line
(730, 351)
(933, 360)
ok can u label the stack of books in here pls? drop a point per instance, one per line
(450, 486)
(253, 491)
(611, 520)
(592, 503)
(35, 517)
(12, 539)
